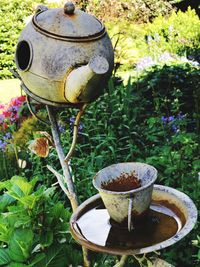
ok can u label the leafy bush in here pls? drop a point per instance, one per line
(163, 35)
(138, 10)
(34, 226)
(12, 20)
(172, 34)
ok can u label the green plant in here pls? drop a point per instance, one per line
(139, 10)
(164, 37)
(34, 226)
(196, 243)
(173, 35)
(12, 20)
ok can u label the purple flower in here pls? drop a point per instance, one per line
(61, 127)
(180, 116)
(175, 129)
(144, 63)
(2, 145)
(7, 136)
(72, 120)
(171, 118)
(2, 117)
(164, 119)
(166, 57)
(80, 127)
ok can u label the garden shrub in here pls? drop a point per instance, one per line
(135, 11)
(175, 36)
(12, 20)
(163, 35)
(34, 226)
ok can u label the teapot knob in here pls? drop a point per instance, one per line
(69, 8)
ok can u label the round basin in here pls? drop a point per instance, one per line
(171, 216)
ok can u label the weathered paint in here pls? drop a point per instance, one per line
(53, 58)
(118, 203)
(178, 202)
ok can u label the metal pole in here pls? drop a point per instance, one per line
(65, 181)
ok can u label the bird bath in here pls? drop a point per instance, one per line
(64, 58)
(172, 216)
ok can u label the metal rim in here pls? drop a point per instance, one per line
(191, 211)
(87, 38)
(48, 102)
(130, 191)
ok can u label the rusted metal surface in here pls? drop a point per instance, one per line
(69, 8)
(124, 207)
(173, 199)
(73, 41)
(74, 27)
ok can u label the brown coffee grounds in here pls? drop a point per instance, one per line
(125, 182)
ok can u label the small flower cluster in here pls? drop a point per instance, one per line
(80, 127)
(172, 121)
(9, 117)
(148, 61)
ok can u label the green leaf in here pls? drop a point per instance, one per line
(4, 184)
(39, 257)
(55, 257)
(17, 264)
(46, 239)
(5, 231)
(16, 216)
(22, 184)
(28, 201)
(20, 244)
(5, 200)
(4, 256)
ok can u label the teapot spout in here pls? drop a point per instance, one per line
(81, 83)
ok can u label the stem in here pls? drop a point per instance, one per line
(61, 156)
(16, 156)
(75, 133)
(65, 181)
(121, 262)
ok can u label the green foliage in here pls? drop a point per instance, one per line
(33, 226)
(12, 21)
(8, 164)
(172, 34)
(26, 131)
(152, 119)
(196, 243)
(164, 34)
(138, 10)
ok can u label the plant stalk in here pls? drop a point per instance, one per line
(67, 178)
(122, 261)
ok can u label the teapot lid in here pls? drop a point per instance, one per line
(67, 24)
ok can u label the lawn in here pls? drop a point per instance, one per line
(9, 88)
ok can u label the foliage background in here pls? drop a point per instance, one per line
(159, 114)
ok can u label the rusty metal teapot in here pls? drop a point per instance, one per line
(64, 55)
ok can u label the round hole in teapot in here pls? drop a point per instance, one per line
(23, 55)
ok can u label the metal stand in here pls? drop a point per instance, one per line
(65, 181)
